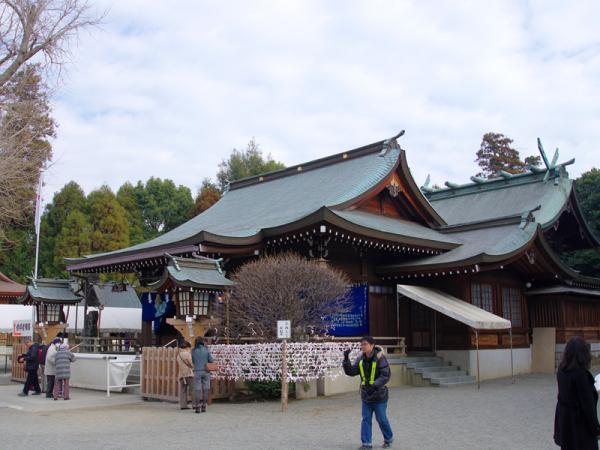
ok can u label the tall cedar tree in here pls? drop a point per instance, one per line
(245, 163)
(126, 195)
(74, 239)
(496, 153)
(109, 226)
(70, 198)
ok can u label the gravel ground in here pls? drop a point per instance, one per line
(499, 416)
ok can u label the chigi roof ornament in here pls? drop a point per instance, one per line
(551, 166)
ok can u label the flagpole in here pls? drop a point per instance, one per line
(38, 219)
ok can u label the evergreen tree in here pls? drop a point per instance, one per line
(126, 195)
(70, 198)
(163, 205)
(108, 220)
(17, 257)
(588, 194)
(74, 239)
(245, 163)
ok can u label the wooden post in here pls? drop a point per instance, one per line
(227, 317)
(477, 345)
(284, 377)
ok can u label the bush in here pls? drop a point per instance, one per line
(268, 390)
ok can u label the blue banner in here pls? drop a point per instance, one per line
(356, 321)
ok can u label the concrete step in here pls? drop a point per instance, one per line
(455, 380)
(457, 383)
(445, 375)
(436, 369)
(431, 372)
(421, 364)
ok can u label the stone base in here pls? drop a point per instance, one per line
(306, 389)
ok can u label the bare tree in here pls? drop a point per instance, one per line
(286, 287)
(33, 34)
(39, 27)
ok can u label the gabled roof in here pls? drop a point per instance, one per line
(114, 295)
(45, 290)
(202, 273)
(259, 206)
(10, 289)
(503, 197)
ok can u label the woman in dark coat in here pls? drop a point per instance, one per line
(576, 424)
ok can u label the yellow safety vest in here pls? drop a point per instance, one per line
(362, 372)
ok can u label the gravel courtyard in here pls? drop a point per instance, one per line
(499, 416)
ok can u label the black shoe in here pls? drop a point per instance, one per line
(37, 393)
(22, 394)
(197, 410)
(387, 444)
(365, 447)
(184, 408)
(203, 409)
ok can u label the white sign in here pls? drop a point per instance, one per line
(284, 329)
(22, 328)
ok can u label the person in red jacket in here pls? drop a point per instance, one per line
(374, 371)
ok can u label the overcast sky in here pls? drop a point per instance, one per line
(169, 88)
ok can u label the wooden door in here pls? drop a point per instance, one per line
(421, 326)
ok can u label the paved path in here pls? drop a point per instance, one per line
(501, 416)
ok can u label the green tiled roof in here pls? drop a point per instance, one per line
(503, 197)
(279, 198)
(394, 226)
(50, 291)
(477, 246)
(197, 273)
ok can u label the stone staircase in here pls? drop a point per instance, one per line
(430, 370)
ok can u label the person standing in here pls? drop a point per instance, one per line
(50, 369)
(576, 424)
(201, 357)
(185, 369)
(374, 371)
(32, 364)
(63, 360)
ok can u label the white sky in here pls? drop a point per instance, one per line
(169, 88)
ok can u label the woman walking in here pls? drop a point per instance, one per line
(62, 362)
(185, 371)
(576, 424)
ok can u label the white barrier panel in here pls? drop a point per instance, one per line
(89, 371)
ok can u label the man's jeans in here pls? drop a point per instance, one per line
(366, 428)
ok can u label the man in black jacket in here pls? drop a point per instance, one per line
(374, 371)
(31, 367)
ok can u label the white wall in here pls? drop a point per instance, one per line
(492, 363)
